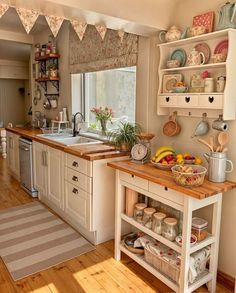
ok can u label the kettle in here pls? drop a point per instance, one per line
(226, 16)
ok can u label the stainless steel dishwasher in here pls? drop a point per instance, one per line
(26, 166)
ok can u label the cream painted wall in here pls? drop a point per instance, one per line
(184, 11)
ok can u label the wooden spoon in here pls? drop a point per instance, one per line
(225, 150)
(222, 139)
(205, 143)
(211, 142)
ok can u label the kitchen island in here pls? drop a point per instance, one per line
(3, 141)
(160, 186)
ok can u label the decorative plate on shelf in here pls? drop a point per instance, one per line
(205, 49)
(179, 54)
(222, 47)
(169, 82)
(205, 19)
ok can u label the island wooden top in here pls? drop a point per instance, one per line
(88, 152)
(165, 178)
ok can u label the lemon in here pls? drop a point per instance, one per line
(198, 161)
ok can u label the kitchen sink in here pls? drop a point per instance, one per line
(70, 140)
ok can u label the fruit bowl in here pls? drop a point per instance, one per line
(163, 166)
(189, 175)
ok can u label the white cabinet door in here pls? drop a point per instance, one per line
(40, 169)
(13, 154)
(78, 204)
(54, 162)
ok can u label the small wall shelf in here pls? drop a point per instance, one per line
(191, 104)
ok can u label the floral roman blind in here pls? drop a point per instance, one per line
(94, 54)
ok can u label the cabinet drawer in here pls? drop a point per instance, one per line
(78, 164)
(166, 101)
(78, 179)
(166, 193)
(211, 101)
(188, 101)
(78, 204)
(134, 180)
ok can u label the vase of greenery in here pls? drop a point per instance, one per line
(103, 115)
(125, 136)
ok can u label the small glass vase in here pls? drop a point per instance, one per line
(103, 125)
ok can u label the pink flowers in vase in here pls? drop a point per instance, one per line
(103, 115)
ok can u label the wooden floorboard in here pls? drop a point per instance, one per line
(96, 271)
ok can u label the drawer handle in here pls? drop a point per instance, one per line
(75, 178)
(75, 164)
(167, 99)
(75, 191)
(187, 99)
(132, 176)
(211, 99)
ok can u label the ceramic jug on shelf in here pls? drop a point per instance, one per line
(195, 58)
(217, 166)
(173, 34)
(226, 16)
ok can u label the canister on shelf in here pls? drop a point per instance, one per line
(199, 227)
(209, 85)
(220, 84)
(138, 212)
(170, 230)
(158, 223)
(147, 217)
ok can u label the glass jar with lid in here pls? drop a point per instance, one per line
(147, 217)
(158, 222)
(138, 212)
(170, 229)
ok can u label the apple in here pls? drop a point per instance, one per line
(169, 158)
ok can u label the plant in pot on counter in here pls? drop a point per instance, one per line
(125, 137)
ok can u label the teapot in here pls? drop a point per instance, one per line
(173, 34)
(195, 58)
(226, 16)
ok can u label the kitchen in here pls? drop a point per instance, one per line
(146, 86)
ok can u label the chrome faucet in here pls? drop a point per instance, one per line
(75, 132)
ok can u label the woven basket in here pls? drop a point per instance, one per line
(163, 266)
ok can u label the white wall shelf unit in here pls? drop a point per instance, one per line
(194, 104)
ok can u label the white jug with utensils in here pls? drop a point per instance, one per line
(217, 166)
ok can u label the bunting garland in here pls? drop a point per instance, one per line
(79, 28)
(54, 23)
(102, 29)
(3, 9)
(27, 17)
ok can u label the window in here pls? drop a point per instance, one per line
(114, 88)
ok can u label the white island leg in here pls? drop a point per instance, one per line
(4, 143)
(117, 217)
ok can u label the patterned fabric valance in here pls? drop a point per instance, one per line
(94, 54)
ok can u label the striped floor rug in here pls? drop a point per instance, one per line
(33, 239)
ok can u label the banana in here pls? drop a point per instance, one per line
(163, 155)
(164, 149)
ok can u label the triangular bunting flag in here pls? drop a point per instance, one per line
(54, 23)
(101, 28)
(121, 34)
(28, 18)
(79, 28)
(3, 9)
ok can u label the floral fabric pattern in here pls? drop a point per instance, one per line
(94, 54)
(101, 30)
(28, 18)
(79, 27)
(54, 22)
(3, 9)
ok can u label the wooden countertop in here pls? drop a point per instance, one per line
(89, 152)
(165, 178)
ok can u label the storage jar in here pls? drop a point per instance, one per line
(209, 85)
(170, 229)
(147, 217)
(199, 227)
(138, 212)
(158, 223)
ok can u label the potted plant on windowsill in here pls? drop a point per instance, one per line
(125, 136)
